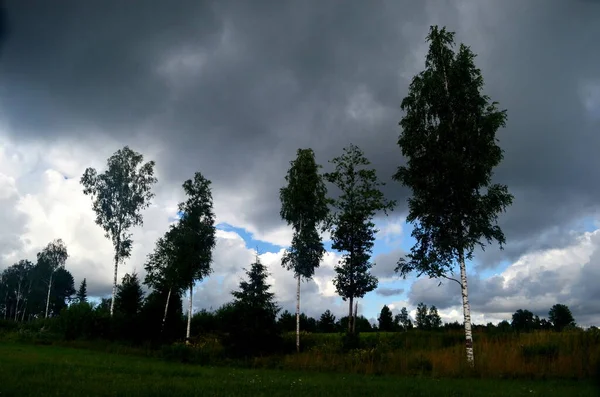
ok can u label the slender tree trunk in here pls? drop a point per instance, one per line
(466, 310)
(351, 300)
(162, 328)
(189, 322)
(114, 288)
(24, 310)
(17, 304)
(354, 318)
(298, 316)
(48, 297)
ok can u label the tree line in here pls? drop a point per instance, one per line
(449, 150)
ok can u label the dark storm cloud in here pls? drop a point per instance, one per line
(389, 291)
(256, 80)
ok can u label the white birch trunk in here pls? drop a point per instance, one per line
(466, 311)
(166, 309)
(350, 315)
(114, 288)
(17, 304)
(48, 296)
(298, 316)
(189, 322)
(354, 318)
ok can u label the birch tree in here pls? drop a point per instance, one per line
(304, 206)
(353, 230)
(118, 197)
(53, 256)
(449, 140)
(161, 269)
(194, 236)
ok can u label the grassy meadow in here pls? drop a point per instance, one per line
(49, 370)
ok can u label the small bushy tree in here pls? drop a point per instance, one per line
(560, 316)
(385, 320)
(353, 230)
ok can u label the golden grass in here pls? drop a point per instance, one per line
(573, 355)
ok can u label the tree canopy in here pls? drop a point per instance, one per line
(353, 230)
(119, 195)
(448, 137)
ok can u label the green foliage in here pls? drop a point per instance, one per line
(386, 320)
(560, 316)
(433, 318)
(449, 140)
(81, 321)
(254, 313)
(304, 206)
(522, 320)
(152, 313)
(421, 319)
(81, 295)
(24, 288)
(353, 230)
(402, 320)
(130, 297)
(327, 322)
(194, 236)
(31, 371)
(53, 256)
(119, 195)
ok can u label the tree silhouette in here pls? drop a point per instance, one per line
(448, 138)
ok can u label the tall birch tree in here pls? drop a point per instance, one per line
(194, 236)
(161, 269)
(304, 206)
(53, 256)
(118, 197)
(353, 230)
(449, 140)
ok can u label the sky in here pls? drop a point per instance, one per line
(233, 88)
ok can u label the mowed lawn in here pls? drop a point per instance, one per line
(29, 370)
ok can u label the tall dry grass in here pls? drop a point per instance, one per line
(543, 354)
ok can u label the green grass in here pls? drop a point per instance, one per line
(29, 370)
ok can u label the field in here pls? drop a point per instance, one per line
(36, 370)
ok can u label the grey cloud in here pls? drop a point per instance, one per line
(535, 289)
(389, 291)
(386, 263)
(276, 75)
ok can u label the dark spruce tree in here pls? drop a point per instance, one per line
(449, 140)
(326, 323)
(304, 206)
(385, 320)
(352, 227)
(253, 315)
(81, 295)
(130, 296)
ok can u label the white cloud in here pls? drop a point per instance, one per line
(535, 282)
